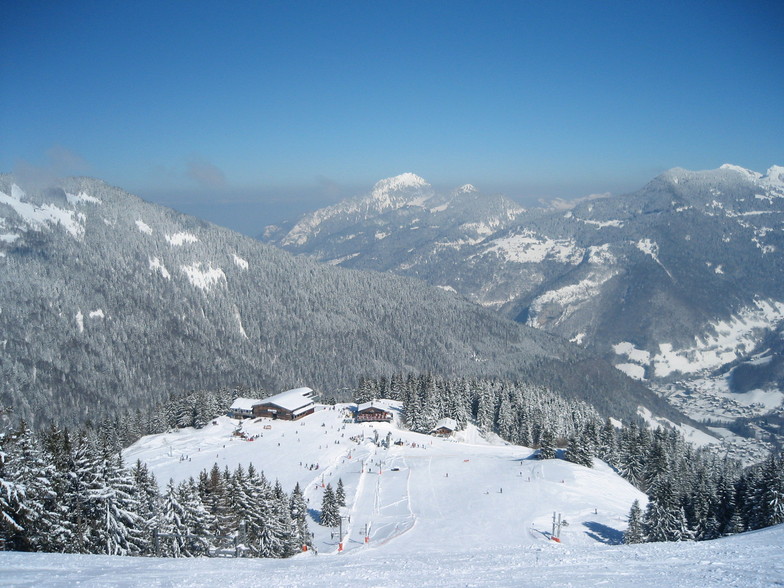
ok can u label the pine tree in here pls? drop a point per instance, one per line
(634, 532)
(546, 445)
(340, 493)
(577, 452)
(172, 531)
(330, 513)
(299, 517)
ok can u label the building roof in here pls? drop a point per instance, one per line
(244, 403)
(293, 400)
(446, 423)
(373, 404)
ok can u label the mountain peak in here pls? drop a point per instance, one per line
(400, 182)
(749, 174)
(466, 189)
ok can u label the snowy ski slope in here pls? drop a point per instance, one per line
(436, 512)
(422, 493)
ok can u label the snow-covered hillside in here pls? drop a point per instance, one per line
(426, 491)
(440, 512)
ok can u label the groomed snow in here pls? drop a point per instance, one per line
(441, 512)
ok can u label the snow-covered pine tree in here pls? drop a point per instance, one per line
(577, 451)
(12, 497)
(196, 520)
(664, 518)
(546, 445)
(172, 531)
(340, 493)
(634, 531)
(330, 511)
(299, 518)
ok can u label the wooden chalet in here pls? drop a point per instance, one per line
(288, 406)
(444, 428)
(373, 412)
(242, 408)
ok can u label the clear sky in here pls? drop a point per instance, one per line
(247, 112)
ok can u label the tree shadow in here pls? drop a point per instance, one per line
(603, 533)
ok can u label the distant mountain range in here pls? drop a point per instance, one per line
(680, 284)
(111, 302)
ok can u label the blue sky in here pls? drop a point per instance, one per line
(247, 112)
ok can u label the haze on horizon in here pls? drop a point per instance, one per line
(257, 112)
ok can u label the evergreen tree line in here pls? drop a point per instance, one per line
(60, 493)
(518, 412)
(693, 493)
(190, 409)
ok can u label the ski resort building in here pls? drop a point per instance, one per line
(373, 412)
(242, 408)
(444, 428)
(288, 406)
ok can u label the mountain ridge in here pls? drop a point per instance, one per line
(667, 269)
(111, 302)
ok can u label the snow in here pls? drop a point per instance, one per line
(82, 198)
(80, 321)
(603, 224)
(203, 278)
(400, 182)
(178, 239)
(389, 193)
(634, 371)
(600, 255)
(94, 314)
(746, 173)
(730, 340)
(292, 400)
(238, 318)
(143, 227)
(244, 403)
(528, 247)
(456, 511)
(340, 260)
(447, 288)
(240, 262)
(157, 265)
(652, 248)
(40, 217)
(569, 298)
(466, 189)
(629, 350)
(692, 435)
(8, 237)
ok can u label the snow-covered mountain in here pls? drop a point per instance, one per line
(680, 284)
(111, 302)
